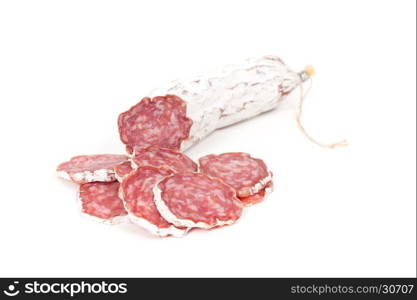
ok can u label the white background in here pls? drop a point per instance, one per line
(68, 68)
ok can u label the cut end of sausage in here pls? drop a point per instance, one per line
(160, 121)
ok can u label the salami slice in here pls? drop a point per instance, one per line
(123, 169)
(90, 168)
(196, 200)
(158, 121)
(100, 201)
(155, 156)
(247, 175)
(137, 194)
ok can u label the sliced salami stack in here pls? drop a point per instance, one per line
(158, 187)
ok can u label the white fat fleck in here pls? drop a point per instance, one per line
(133, 164)
(173, 219)
(112, 221)
(119, 178)
(231, 94)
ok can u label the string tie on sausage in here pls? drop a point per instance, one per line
(309, 72)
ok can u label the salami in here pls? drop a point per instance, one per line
(90, 168)
(158, 121)
(121, 170)
(137, 194)
(100, 201)
(161, 189)
(247, 175)
(155, 156)
(196, 200)
(185, 111)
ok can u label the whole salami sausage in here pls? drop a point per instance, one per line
(185, 111)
